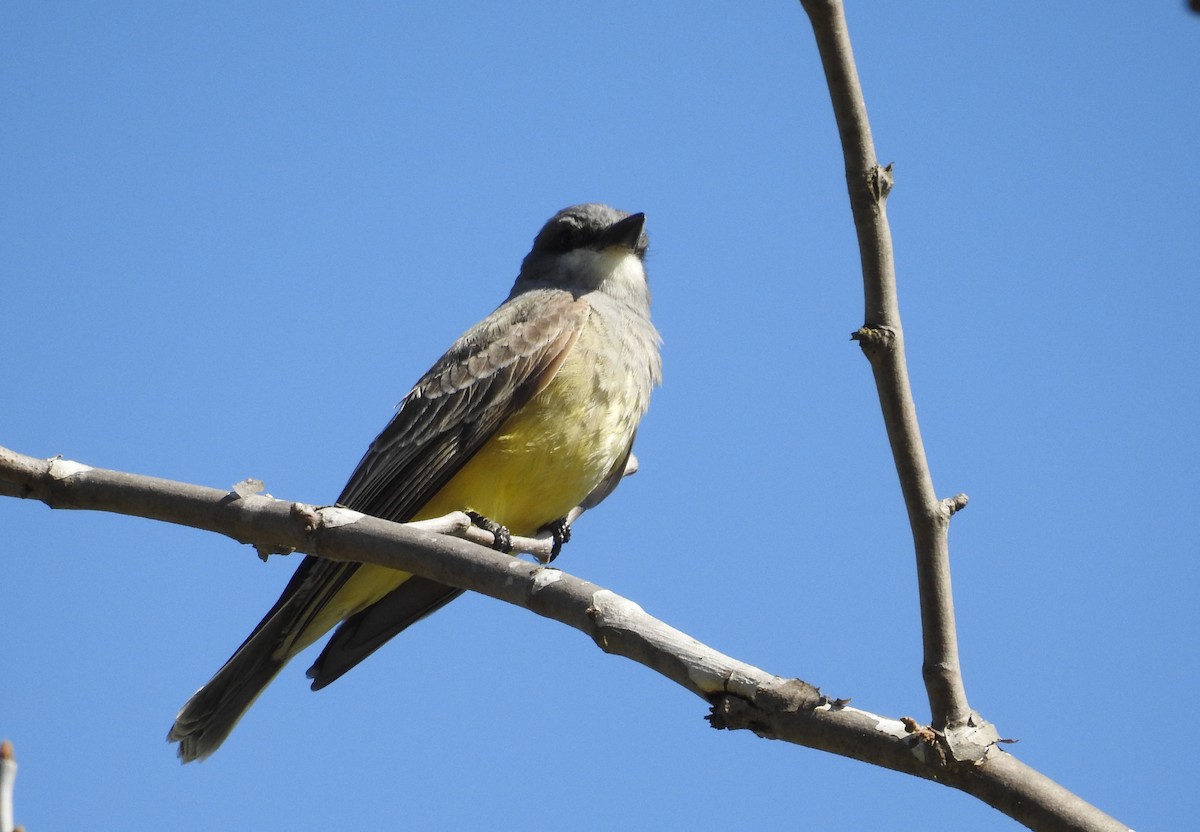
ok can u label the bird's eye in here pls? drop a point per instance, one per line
(567, 235)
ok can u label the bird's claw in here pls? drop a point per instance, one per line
(501, 536)
(560, 529)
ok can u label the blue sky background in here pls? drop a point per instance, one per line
(232, 235)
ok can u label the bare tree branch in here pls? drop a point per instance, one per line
(8, 776)
(882, 340)
(1012, 787)
(741, 696)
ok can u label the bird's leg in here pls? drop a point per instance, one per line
(501, 536)
(561, 530)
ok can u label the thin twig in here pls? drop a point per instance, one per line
(8, 775)
(458, 524)
(882, 340)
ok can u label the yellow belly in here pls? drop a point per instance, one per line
(542, 462)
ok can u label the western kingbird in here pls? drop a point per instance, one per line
(530, 413)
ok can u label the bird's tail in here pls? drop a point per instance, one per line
(291, 625)
(207, 718)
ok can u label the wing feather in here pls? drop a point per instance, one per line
(492, 371)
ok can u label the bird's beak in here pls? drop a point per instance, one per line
(625, 233)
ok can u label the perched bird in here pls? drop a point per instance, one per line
(531, 412)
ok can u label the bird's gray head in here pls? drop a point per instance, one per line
(588, 248)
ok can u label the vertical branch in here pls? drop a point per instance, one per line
(882, 340)
(8, 774)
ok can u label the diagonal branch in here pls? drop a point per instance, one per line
(882, 340)
(741, 696)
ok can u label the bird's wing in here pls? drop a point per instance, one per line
(366, 631)
(491, 372)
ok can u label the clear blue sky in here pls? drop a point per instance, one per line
(232, 235)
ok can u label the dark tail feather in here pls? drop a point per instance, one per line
(362, 634)
(211, 714)
(207, 718)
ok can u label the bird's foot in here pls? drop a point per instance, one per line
(560, 529)
(501, 536)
